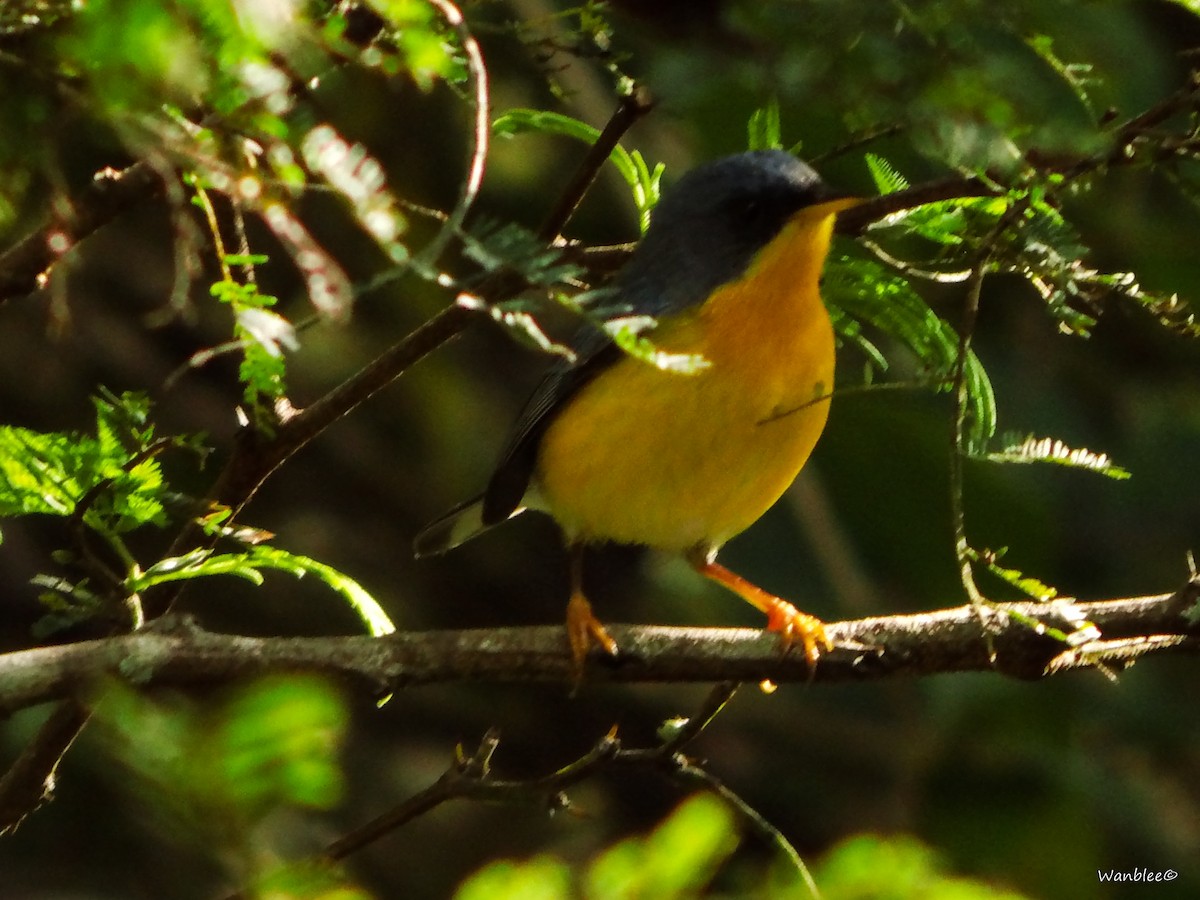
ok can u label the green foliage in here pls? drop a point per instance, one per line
(1026, 584)
(644, 182)
(113, 484)
(887, 178)
(683, 855)
(678, 859)
(212, 771)
(541, 878)
(204, 563)
(869, 867)
(52, 473)
(428, 49)
(506, 246)
(862, 291)
(764, 130)
(263, 336)
(307, 881)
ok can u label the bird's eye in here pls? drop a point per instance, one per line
(751, 210)
(757, 216)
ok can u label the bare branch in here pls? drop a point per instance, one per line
(25, 266)
(29, 782)
(472, 778)
(949, 640)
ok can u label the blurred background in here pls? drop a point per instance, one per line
(1033, 787)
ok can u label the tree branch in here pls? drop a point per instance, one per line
(25, 265)
(949, 640)
(29, 781)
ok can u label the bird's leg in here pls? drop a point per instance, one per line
(583, 628)
(782, 617)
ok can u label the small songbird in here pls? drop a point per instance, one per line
(618, 449)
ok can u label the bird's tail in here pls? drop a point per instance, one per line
(455, 527)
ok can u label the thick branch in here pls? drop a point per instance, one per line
(950, 640)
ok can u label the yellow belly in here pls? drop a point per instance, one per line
(675, 460)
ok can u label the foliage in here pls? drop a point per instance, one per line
(112, 484)
(213, 772)
(895, 868)
(683, 856)
(679, 858)
(644, 182)
(110, 481)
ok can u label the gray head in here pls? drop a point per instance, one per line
(711, 223)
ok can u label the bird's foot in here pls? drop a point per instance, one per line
(585, 631)
(793, 625)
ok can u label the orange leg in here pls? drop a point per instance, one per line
(584, 630)
(782, 617)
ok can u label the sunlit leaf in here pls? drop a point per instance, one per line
(1055, 452)
(51, 472)
(276, 741)
(354, 173)
(205, 563)
(644, 182)
(763, 130)
(628, 332)
(887, 179)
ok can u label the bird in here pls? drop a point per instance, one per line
(617, 449)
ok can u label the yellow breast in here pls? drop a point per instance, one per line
(676, 461)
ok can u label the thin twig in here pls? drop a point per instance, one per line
(635, 104)
(688, 772)
(29, 781)
(868, 136)
(480, 135)
(472, 778)
(958, 449)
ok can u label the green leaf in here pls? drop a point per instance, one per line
(217, 768)
(1026, 584)
(506, 245)
(644, 182)
(887, 179)
(275, 743)
(860, 290)
(1055, 452)
(627, 333)
(361, 601)
(763, 130)
(51, 472)
(207, 563)
(678, 859)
